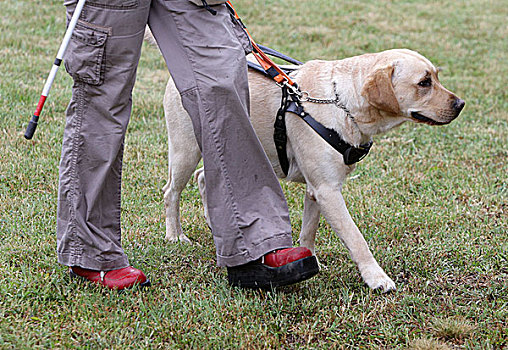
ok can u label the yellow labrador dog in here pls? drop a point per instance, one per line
(380, 90)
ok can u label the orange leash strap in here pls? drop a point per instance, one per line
(266, 62)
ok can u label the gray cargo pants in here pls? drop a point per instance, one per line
(205, 55)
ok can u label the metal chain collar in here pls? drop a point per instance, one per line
(303, 96)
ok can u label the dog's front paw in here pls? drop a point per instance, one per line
(377, 279)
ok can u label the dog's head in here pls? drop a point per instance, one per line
(406, 84)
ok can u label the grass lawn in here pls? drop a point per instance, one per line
(430, 201)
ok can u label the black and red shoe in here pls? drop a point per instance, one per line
(124, 278)
(279, 268)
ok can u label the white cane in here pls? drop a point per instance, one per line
(30, 130)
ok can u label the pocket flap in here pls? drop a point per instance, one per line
(91, 37)
(209, 2)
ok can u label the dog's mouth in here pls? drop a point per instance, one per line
(423, 119)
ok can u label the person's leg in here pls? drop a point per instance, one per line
(102, 58)
(247, 209)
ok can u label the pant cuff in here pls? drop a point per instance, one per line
(280, 241)
(92, 264)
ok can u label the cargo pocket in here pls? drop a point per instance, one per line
(241, 34)
(85, 56)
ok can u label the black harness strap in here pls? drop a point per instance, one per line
(208, 8)
(277, 54)
(279, 133)
(350, 153)
(259, 69)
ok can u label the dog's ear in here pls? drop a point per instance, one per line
(378, 90)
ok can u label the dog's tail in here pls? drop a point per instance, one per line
(149, 37)
(197, 173)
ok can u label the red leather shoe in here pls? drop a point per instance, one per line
(275, 269)
(126, 277)
(286, 256)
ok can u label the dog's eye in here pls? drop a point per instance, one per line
(425, 83)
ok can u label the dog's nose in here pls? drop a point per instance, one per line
(458, 104)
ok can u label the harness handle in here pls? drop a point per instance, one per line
(270, 67)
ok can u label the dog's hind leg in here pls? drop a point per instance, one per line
(199, 177)
(184, 156)
(181, 167)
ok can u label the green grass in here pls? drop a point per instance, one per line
(431, 202)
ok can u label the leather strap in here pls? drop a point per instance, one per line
(349, 153)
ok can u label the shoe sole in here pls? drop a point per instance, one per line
(256, 275)
(81, 278)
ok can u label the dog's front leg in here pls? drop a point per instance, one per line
(310, 222)
(334, 210)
